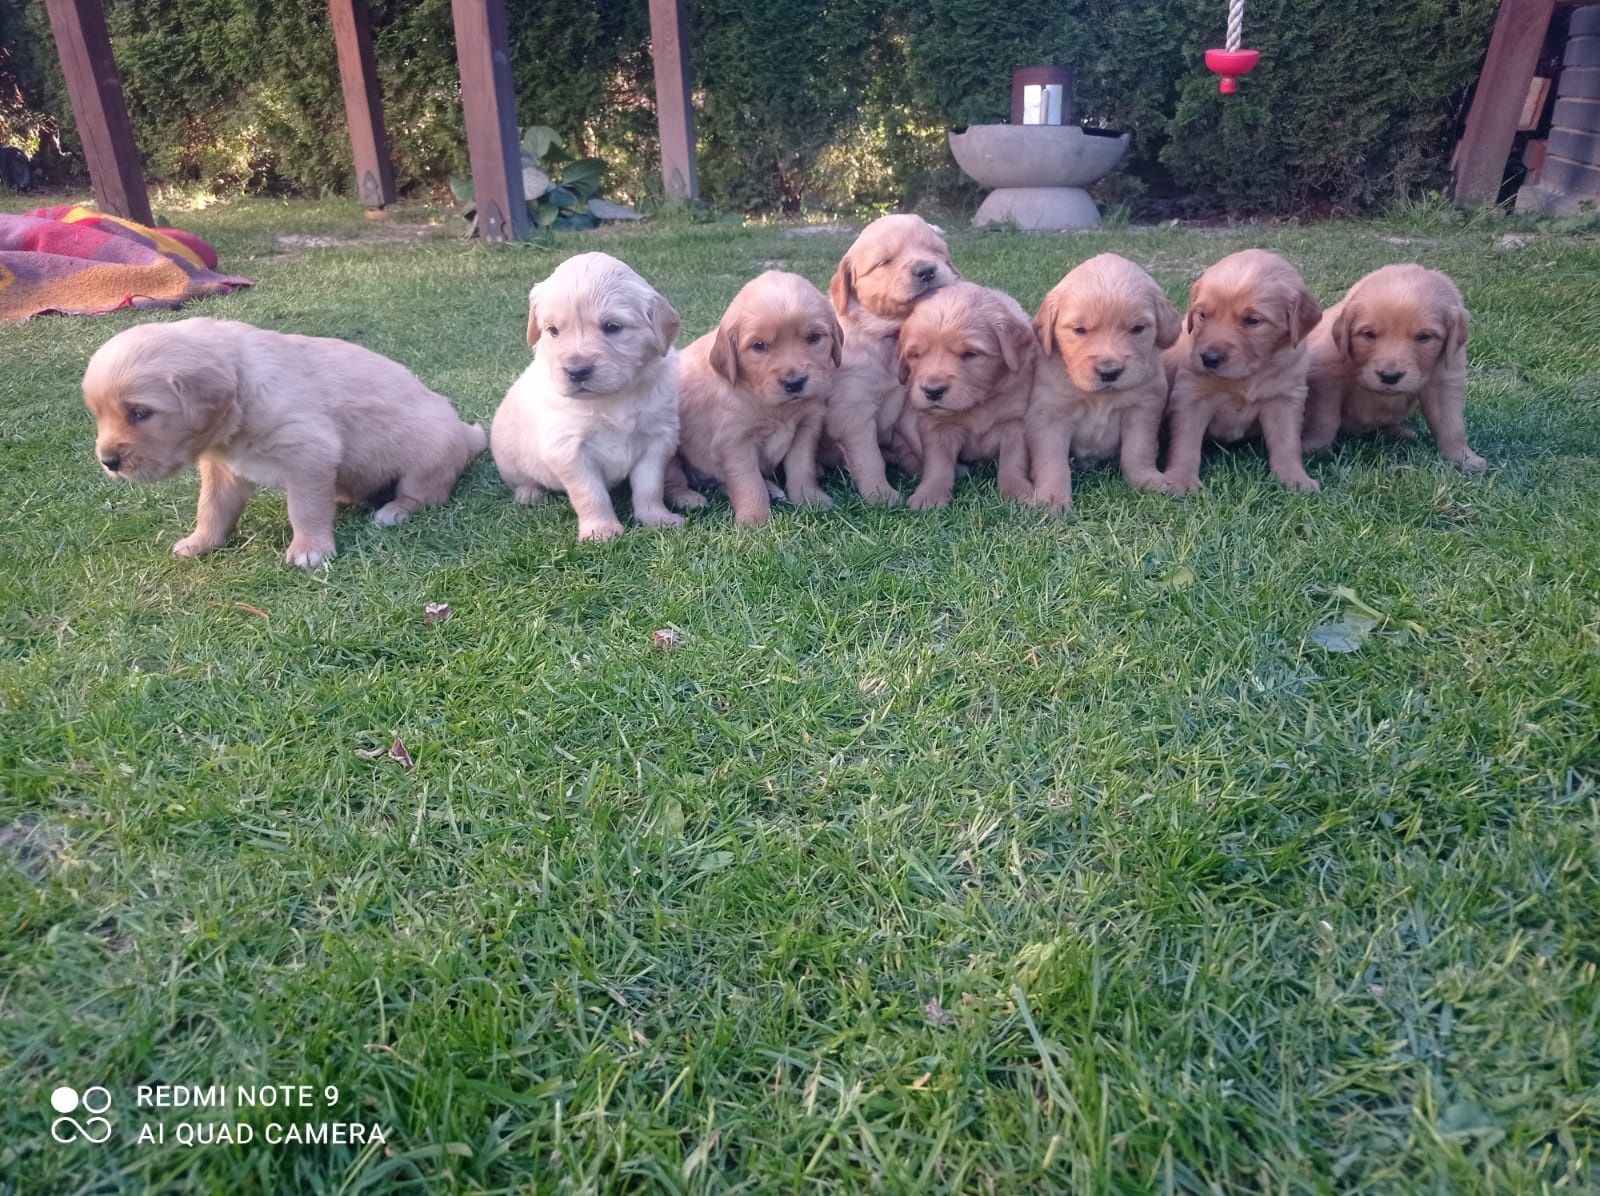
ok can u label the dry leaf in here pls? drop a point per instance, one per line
(369, 753)
(436, 612)
(245, 607)
(938, 1015)
(921, 1081)
(397, 752)
(667, 637)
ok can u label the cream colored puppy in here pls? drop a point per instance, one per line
(967, 355)
(1100, 388)
(1396, 341)
(894, 263)
(1239, 367)
(753, 393)
(599, 404)
(325, 420)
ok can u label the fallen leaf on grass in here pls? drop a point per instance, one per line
(1344, 634)
(1180, 578)
(667, 637)
(938, 1015)
(245, 607)
(436, 612)
(395, 751)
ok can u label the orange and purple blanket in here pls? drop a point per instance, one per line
(78, 261)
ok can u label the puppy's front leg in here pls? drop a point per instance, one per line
(747, 489)
(864, 460)
(1324, 411)
(1013, 480)
(939, 452)
(311, 507)
(1446, 412)
(1186, 435)
(677, 490)
(648, 483)
(1141, 441)
(1280, 426)
(1050, 452)
(223, 495)
(800, 466)
(591, 500)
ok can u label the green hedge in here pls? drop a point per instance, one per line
(805, 103)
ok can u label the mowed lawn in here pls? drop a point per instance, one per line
(967, 851)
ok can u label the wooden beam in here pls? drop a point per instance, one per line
(669, 47)
(363, 101)
(95, 91)
(482, 50)
(1508, 67)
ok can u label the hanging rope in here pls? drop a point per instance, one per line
(1235, 23)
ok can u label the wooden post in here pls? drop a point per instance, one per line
(669, 47)
(482, 50)
(1508, 67)
(363, 101)
(95, 90)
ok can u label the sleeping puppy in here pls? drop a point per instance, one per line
(894, 263)
(968, 354)
(1100, 388)
(753, 393)
(1396, 341)
(325, 420)
(1239, 367)
(599, 404)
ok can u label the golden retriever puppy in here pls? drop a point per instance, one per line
(894, 263)
(1100, 388)
(1239, 366)
(599, 404)
(753, 393)
(968, 354)
(1396, 341)
(327, 421)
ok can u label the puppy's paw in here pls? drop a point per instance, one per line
(1016, 491)
(1180, 486)
(1302, 483)
(775, 492)
(1473, 463)
(528, 495)
(308, 552)
(927, 500)
(390, 514)
(752, 518)
(1053, 501)
(195, 545)
(661, 518)
(687, 500)
(810, 496)
(884, 495)
(609, 530)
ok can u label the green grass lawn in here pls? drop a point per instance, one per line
(967, 851)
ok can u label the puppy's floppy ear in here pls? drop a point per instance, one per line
(664, 322)
(1303, 313)
(905, 371)
(724, 355)
(1194, 301)
(206, 388)
(1044, 324)
(1166, 317)
(1457, 323)
(836, 341)
(1343, 330)
(843, 287)
(1015, 335)
(534, 322)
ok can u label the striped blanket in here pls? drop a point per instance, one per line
(78, 261)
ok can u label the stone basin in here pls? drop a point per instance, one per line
(1038, 172)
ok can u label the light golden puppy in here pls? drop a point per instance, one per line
(1396, 341)
(599, 404)
(1239, 367)
(325, 420)
(968, 355)
(1100, 388)
(894, 263)
(753, 393)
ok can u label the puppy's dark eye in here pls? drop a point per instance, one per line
(1137, 329)
(969, 355)
(758, 346)
(551, 330)
(813, 338)
(1424, 337)
(1080, 331)
(1199, 315)
(913, 354)
(1251, 321)
(137, 415)
(1369, 334)
(611, 328)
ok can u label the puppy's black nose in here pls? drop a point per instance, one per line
(1108, 373)
(1212, 358)
(926, 270)
(580, 373)
(936, 391)
(111, 461)
(794, 386)
(1390, 377)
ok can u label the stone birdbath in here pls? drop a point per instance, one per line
(1038, 171)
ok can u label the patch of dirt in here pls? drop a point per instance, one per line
(35, 846)
(377, 233)
(820, 230)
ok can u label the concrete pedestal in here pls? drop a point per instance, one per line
(1038, 172)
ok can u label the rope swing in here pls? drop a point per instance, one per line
(1233, 61)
